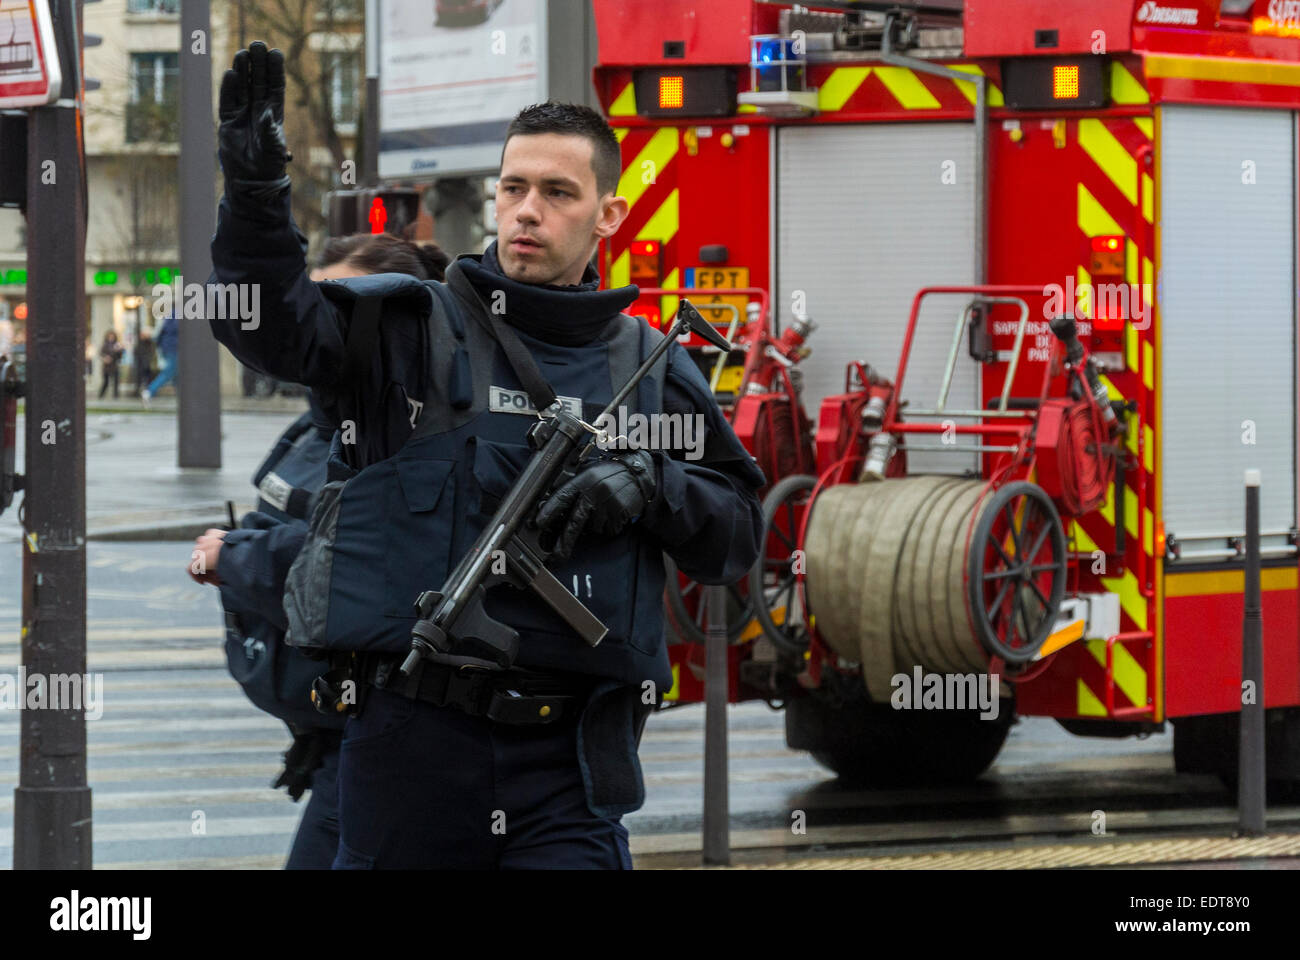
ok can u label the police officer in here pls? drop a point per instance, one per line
(249, 566)
(434, 387)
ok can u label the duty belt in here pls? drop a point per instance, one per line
(515, 697)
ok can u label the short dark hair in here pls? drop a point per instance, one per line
(385, 253)
(576, 120)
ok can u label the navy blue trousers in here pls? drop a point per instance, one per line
(316, 843)
(426, 787)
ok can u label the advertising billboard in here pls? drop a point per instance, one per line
(452, 74)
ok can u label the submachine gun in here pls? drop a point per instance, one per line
(453, 618)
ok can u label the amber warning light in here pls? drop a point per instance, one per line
(672, 92)
(644, 262)
(1065, 82)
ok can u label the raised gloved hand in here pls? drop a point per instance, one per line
(602, 498)
(250, 140)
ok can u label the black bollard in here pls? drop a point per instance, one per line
(1250, 759)
(717, 835)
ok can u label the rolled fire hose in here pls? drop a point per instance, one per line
(885, 564)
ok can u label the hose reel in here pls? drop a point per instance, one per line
(937, 571)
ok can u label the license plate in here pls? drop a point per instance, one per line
(720, 278)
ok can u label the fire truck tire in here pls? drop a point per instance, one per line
(772, 581)
(873, 745)
(686, 611)
(1022, 515)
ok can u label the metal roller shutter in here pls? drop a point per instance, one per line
(1227, 312)
(864, 220)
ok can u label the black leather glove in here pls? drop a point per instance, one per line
(250, 140)
(303, 758)
(602, 498)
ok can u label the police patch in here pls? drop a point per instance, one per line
(505, 400)
(275, 491)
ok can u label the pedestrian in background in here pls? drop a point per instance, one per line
(168, 344)
(143, 360)
(110, 353)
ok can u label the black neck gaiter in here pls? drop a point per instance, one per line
(569, 316)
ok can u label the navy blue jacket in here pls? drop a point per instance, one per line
(252, 566)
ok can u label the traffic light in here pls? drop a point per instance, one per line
(389, 210)
(383, 210)
(342, 211)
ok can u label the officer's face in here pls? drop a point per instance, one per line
(549, 214)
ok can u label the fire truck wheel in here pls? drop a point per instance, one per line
(873, 745)
(1016, 572)
(688, 615)
(773, 581)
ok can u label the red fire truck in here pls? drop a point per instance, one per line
(1129, 163)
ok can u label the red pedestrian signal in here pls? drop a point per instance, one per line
(378, 216)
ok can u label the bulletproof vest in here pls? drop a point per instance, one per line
(382, 534)
(275, 677)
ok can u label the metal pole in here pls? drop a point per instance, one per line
(198, 372)
(52, 826)
(1250, 760)
(370, 162)
(717, 837)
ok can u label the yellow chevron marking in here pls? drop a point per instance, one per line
(624, 104)
(1148, 360)
(1131, 441)
(1148, 448)
(620, 271)
(1107, 509)
(662, 225)
(1111, 389)
(675, 691)
(1227, 70)
(1130, 597)
(1147, 126)
(839, 86)
(1148, 199)
(1094, 221)
(992, 96)
(1087, 704)
(1129, 675)
(1131, 337)
(1227, 581)
(1124, 87)
(652, 160)
(620, 133)
(1148, 532)
(668, 304)
(1130, 510)
(907, 88)
(1109, 154)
